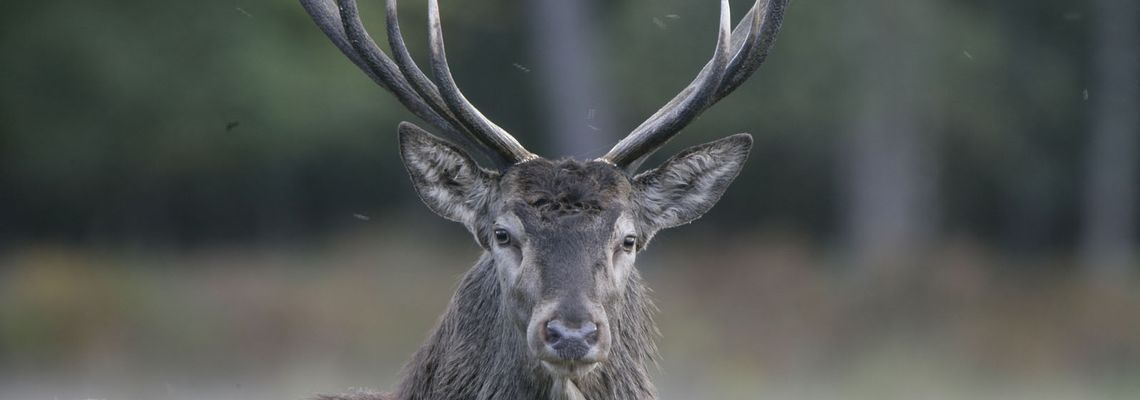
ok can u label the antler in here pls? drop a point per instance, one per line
(439, 103)
(739, 52)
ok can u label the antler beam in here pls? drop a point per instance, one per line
(438, 102)
(748, 43)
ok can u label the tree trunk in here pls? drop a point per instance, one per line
(888, 167)
(577, 112)
(1110, 194)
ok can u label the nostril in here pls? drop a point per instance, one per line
(589, 332)
(571, 342)
(558, 333)
(553, 333)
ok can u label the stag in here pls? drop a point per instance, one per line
(554, 308)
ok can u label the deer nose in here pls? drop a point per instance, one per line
(571, 343)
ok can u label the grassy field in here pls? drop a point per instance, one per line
(755, 317)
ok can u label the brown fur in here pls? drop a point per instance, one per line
(567, 187)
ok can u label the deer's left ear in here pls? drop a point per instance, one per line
(689, 184)
(447, 180)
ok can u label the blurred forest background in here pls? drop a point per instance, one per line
(203, 200)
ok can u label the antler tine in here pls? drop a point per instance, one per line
(415, 76)
(749, 43)
(429, 91)
(497, 138)
(326, 15)
(340, 21)
(414, 101)
(754, 50)
(683, 108)
(347, 36)
(408, 67)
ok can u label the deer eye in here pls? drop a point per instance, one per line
(629, 243)
(502, 237)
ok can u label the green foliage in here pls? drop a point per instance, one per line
(188, 120)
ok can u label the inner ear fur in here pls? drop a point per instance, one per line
(687, 185)
(446, 179)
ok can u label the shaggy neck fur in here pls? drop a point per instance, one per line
(476, 352)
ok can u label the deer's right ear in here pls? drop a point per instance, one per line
(446, 179)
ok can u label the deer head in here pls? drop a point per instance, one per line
(563, 235)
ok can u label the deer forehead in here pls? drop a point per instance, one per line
(567, 188)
